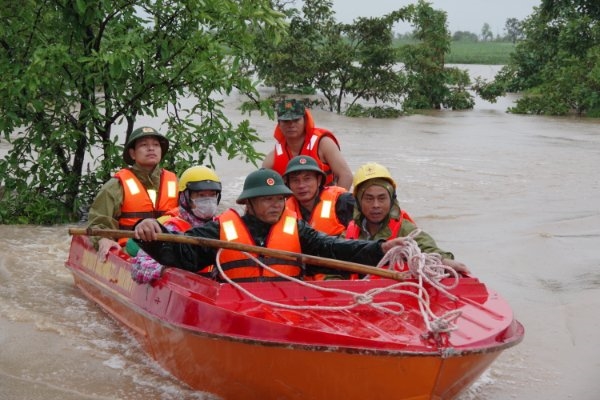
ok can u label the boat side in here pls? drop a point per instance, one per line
(200, 330)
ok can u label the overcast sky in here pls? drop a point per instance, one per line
(462, 15)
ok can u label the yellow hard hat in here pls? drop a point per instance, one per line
(368, 171)
(200, 178)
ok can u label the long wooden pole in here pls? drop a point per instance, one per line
(288, 255)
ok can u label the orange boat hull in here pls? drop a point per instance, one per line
(245, 368)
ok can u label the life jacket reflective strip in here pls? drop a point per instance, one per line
(323, 217)
(310, 148)
(137, 203)
(353, 232)
(283, 235)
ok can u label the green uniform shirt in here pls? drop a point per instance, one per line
(424, 240)
(105, 211)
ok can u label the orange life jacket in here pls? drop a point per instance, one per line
(136, 200)
(282, 154)
(180, 224)
(353, 232)
(323, 217)
(283, 235)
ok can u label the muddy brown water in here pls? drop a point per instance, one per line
(517, 198)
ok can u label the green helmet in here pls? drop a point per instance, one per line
(140, 133)
(263, 182)
(303, 163)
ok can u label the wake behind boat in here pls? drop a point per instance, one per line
(351, 339)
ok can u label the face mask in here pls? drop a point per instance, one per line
(205, 207)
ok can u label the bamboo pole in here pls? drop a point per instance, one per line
(216, 243)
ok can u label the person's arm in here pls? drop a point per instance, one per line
(330, 153)
(425, 242)
(103, 214)
(144, 268)
(318, 244)
(106, 208)
(269, 160)
(181, 255)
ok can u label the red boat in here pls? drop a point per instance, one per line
(337, 339)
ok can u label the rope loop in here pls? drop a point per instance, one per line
(426, 270)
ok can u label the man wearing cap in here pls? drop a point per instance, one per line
(266, 223)
(296, 134)
(139, 191)
(377, 214)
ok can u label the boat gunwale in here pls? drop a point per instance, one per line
(445, 352)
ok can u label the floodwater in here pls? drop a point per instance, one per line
(517, 198)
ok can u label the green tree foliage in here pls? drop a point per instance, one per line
(514, 29)
(290, 64)
(431, 85)
(373, 73)
(350, 62)
(338, 60)
(464, 36)
(77, 75)
(557, 65)
(486, 33)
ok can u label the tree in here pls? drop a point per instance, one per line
(335, 59)
(486, 32)
(557, 65)
(360, 61)
(431, 85)
(372, 72)
(464, 36)
(77, 76)
(514, 30)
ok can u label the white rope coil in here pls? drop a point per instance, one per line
(425, 268)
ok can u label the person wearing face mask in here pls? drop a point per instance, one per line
(199, 197)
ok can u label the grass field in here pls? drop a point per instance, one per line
(486, 53)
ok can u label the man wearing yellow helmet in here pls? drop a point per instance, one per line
(266, 223)
(377, 213)
(141, 190)
(199, 196)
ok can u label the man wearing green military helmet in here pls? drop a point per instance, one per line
(141, 190)
(129, 150)
(266, 223)
(326, 208)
